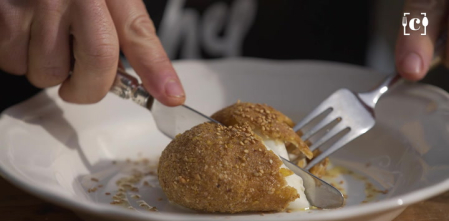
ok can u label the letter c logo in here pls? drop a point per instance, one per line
(412, 24)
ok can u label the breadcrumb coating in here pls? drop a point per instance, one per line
(318, 170)
(215, 168)
(265, 120)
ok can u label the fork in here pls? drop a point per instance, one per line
(353, 111)
(349, 114)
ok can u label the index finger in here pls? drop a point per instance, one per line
(144, 51)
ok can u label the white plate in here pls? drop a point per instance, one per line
(51, 148)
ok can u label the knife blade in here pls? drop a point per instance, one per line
(169, 120)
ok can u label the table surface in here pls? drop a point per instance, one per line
(15, 204)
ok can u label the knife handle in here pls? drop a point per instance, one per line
(128, 87)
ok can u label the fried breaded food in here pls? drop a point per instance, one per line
(265, 120)
(297, 157)
(215, 168)
(320, 168)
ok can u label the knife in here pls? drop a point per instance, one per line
(169, 120)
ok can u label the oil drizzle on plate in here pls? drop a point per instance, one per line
(371, 192)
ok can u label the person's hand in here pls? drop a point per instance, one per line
(38, 38)
(414, 52)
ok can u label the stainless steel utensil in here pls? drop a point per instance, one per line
(169, 120)
(318, 192)
(350, 114)
(174, 120)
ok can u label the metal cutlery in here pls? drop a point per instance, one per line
(169, 120)
(350, 114)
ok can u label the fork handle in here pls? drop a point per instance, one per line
(370, 98)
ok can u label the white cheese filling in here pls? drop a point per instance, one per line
(295, 181)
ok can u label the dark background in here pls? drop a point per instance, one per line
(283, 29)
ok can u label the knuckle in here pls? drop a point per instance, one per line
(142, 26)
(72, 97)
(65, 98)
(103, 55)
(92, 99)
(14, 21)
(12, 36)
(53, 6)
(104, 51)
(13, 50)
(9, 31)
(158, 57)
(47, 76)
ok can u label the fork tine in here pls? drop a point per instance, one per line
(327, 120)
(341, 142)
(317, 111)
(332, 132)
